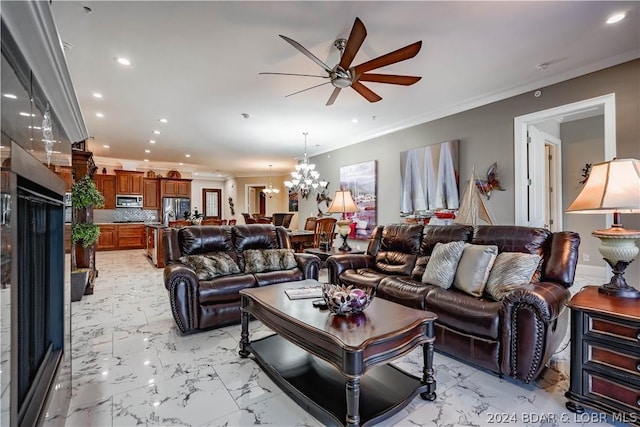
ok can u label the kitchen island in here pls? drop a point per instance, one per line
(154, 247)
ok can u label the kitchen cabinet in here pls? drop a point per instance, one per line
(129, 182)
(154, 245)
(121, 236)
(151, 193)
(106, 185)
(108, 238)
(605, 355)
(65, 174)
(176, 187)
(67, 238)
(131, 236)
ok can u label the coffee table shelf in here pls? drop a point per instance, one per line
(318, 387)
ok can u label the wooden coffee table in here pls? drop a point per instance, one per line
(315, 356)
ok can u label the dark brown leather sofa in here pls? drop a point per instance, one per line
(202, 304)
(513, 337)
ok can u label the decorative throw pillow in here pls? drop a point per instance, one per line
(442, 265)
(510, 271)
(210, 266)
(261, 260)
(474, 267)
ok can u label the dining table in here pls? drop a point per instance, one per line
(299, 238)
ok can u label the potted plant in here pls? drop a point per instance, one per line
(84, 195)
(196, 218)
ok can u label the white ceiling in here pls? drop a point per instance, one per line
(197, 64)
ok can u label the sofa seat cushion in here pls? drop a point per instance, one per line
(403, 290)
(224, 288)
(272, 277)
(362, 277)
(460, 311)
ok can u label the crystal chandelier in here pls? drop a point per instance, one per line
(270, 191)
(305, 178)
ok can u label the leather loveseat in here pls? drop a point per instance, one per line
(514, 336)
(199, 301)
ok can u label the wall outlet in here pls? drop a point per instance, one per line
(585, 257)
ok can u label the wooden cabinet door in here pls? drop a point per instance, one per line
(151, 194)
(67, 238)
(183, 188)
(106, 185)
(122, 183)
(135, 183)
(131, 237)
(108, 238)
(169, 188)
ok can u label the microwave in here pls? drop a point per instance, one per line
(128, 201)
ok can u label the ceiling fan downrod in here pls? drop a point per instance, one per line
(340, 77)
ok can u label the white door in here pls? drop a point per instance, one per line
(544, 169)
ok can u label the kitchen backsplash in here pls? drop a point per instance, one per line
(125, 215)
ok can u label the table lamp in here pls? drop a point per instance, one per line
(613, 187)
(343, 203)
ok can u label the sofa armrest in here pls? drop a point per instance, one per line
(337, 264)
(309, 264)
(182, 284)
(534, 322)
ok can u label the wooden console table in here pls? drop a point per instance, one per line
(605, 355)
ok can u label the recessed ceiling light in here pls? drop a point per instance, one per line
(99, 115)
(97, 95)
(147, 151)
(187, 155)
(152, 141)
(163, 120)
(195, 173)
(617, 17)
(180, 163)
(146, 160)
(123, 61)
(10, 96)
(157, 132)
(105, 146)
(354, 120)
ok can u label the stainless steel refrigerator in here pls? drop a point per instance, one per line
(173, 208)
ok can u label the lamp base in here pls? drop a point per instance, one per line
(617, 286)
(345, 246)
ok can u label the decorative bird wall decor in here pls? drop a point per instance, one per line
(492, 182)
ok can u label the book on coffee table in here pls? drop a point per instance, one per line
(304, 292)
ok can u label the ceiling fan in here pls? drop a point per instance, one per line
(342, 75)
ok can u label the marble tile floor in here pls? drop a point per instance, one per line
(131, 367)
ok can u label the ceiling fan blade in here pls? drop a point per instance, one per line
(291, 74)
(388, 78)
(370, 95)
(401, 54)
(307, 53)
(355, 40)
(333, 96)
(309, 88)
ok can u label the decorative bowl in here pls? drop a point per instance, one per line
(345, 300)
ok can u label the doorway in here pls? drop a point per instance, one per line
(530, 169)
(255, 199)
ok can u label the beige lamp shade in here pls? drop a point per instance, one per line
(342, 203)
(612, 187)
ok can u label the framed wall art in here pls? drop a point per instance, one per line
(211, 201)
(361, 180)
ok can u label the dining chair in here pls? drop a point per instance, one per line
(310, 223)
(179, 223)
(327, 226)
(263, 220)
(283, 219)
(246, 217)
(233, 221)
(225, 222)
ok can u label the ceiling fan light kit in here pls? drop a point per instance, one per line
(342, 75)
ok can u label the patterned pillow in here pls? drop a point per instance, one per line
(210, 266)
(442, 265)
(261, 260)
(474, 268)
(510, 271)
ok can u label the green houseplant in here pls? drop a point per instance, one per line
(84, 195)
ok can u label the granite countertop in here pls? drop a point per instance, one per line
(148, 224)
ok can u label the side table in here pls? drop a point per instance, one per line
(605, 355)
